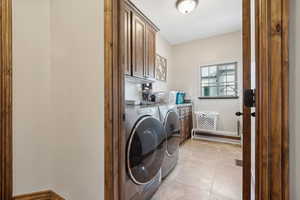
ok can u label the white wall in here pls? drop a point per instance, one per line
(294, 101)
(77, 68)
(163, 48)
(132, 91)
(188, 57)
(58, 52)
(32, 159)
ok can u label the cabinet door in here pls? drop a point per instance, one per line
(190, 121)
(127, 40)
(182, 131)
(187, 127)
(150, 52)
(189, 130)
(138, 46)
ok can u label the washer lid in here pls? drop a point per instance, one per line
(171, 124)
(145, 150)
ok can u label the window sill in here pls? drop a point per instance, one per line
(218, 97)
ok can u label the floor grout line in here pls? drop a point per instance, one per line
(210, 151)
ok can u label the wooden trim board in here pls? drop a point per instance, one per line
(44, 195)
(272, 162)
(6, 184)
(246, 111)
(202, 133)
(114, 103)
(285, 101)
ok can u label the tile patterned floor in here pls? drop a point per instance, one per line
(205, 171)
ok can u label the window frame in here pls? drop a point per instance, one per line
(201, 96)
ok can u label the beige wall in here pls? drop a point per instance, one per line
(31, 96)
(77, 69)
(164, 49)
(294, 101)
(187, 59)
(58, 97)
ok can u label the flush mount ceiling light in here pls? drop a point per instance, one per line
(186, 6)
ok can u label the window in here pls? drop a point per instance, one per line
(218, 81)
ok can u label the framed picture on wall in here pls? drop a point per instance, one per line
(160, 68)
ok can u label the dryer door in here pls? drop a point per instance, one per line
(172, 128)
(145, 150)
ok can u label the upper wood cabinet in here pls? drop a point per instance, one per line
(150, 49)
(139, 43)
(127, 40)
(138, 46)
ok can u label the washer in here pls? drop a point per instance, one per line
(145, 150)
(170, 120)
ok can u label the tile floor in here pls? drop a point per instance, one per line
(205, 171)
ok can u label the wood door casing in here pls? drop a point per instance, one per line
(138, 46)
(272, 99)
(114, 93)
(246, 111)
(127, 41)
(150, 52)
(6, 133)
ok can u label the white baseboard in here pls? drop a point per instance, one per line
(217, 139)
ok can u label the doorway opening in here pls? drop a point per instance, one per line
(135, 44)
(195, 66)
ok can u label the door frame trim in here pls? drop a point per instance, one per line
(272, 156)
(246, 38)
(6, 156)
(114, 105)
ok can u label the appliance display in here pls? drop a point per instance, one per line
(170, 120)
(146, 91)
(145, 151)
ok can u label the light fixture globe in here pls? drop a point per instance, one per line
(186, 6)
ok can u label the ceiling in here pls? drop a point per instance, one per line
(211, 17)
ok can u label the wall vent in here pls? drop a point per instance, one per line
(206, 120)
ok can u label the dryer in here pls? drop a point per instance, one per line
(145, 150)
(170, 119)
